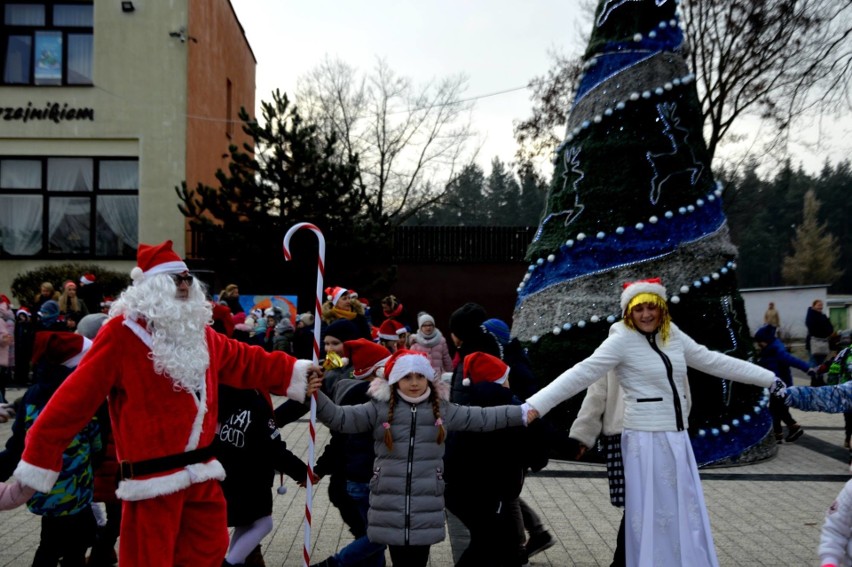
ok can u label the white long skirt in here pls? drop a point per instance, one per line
(666, 521)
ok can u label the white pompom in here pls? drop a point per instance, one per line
(466, 382)
(344, 361)
(136, 274)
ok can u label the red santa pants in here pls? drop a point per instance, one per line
(185, 529)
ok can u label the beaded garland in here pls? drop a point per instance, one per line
(633, 195)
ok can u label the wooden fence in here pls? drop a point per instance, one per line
(469, 244)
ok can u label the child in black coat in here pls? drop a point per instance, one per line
(250, 448)
(485, 471)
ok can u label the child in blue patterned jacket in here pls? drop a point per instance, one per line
(68, 525)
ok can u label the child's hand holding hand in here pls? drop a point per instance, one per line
(529, 413)
(314, 384)
(7, 412)
(314, 480)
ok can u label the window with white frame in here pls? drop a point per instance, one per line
(47, 43)
(69, 207)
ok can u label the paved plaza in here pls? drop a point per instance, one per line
(768, 513)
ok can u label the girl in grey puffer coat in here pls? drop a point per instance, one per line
(409, 415)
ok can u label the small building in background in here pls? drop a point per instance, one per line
(106, 108)
(792, 304)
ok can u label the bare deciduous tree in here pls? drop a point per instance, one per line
(775, 60)
(410, 142)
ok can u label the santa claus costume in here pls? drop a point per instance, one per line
(159, 364)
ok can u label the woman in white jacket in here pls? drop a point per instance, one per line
(666, 518)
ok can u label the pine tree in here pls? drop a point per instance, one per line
(815, 250)
(291, 173)
(533, 195)
(503, 195)
(463, 203)
(632, 197)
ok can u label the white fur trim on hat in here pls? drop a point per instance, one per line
(408, 363)
(636, 288)
(75, 360)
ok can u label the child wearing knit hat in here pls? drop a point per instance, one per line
(410, 413)
(429, 340)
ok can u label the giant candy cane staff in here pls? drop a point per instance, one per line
(306, 550)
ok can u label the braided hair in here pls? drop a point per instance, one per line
(436, 411)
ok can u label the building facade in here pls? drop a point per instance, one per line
(105, 107)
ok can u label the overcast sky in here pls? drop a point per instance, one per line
(498, 44)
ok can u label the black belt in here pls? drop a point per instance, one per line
(127, 470)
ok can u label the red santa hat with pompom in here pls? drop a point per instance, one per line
(390, 330)
(632, 289)
(59, 347)
(404, 362)
(480, 367)
(87, 279)
(366, 356)
(335, 293)
(159, 259)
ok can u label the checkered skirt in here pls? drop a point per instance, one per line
(614, 468)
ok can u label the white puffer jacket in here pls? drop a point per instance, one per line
(654, 394)
(835, 545)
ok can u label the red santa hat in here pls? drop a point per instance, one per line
(633, 289)
(59, 347)
(481, 367)
(391, 330)
(5, 299)
(404, 362)
(335, 293)
(87, 279)
(366, 356)
(24, 311)
(159, 259)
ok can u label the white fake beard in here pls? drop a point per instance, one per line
(179, 346)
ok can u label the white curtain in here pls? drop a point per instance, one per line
(73, 15)
(20, 224)
(69, 174)
(24, 15)
(119, 174)
(72, 215)
(20, 174)
(80, 55)
(121, 214)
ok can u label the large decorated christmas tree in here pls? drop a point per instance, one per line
(632, 197)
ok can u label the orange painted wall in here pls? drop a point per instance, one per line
(221, 54)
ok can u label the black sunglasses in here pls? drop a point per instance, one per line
(179, 279)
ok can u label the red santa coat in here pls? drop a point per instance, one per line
(150, 418)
